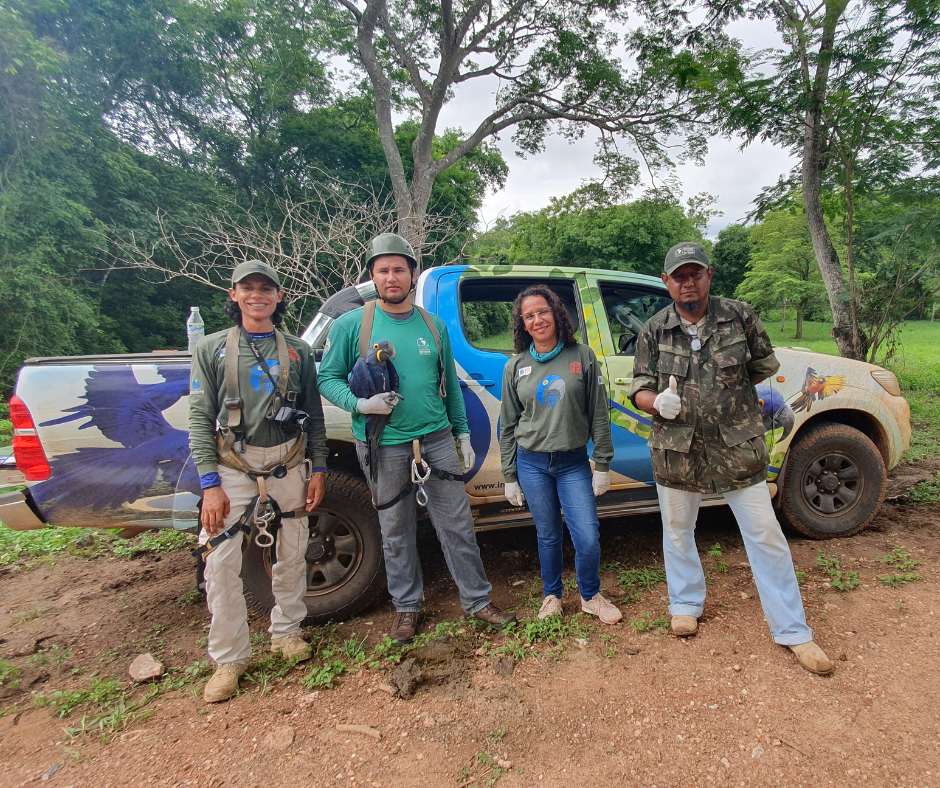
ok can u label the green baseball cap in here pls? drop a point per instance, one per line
(683, 253)
(250, 267)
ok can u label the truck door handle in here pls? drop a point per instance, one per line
(482, 381)
(622, 381)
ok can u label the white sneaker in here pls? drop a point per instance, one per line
(600, 607)
(551, 606)
(292, 647)
(224, 682)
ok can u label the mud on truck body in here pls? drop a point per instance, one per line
(102, 441)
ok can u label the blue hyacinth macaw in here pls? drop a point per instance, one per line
(146, 451)
(374, 374)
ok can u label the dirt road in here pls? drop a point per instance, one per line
(581, 703)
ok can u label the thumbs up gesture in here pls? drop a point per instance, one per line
(667, 402)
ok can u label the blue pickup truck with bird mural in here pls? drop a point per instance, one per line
(102, 441)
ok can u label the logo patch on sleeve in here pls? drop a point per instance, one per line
(523, 371)
(600, 380)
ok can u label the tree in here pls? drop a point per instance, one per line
(853, 94)
(577, 231)
(730, 257)
(552, 65)
(782, 270)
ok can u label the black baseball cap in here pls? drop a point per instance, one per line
(683, 253)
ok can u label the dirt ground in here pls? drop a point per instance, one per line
(605, 705)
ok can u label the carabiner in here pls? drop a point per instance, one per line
(261, 521)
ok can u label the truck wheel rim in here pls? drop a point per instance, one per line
(333, 552)
(832, 484)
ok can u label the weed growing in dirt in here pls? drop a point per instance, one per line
(646, 622)
(800, 577)
(191, 597)
(16, 546)
(116, 717)
(495, 737)
(927, 491)
(635, 582)
(8, 674)
(325, 675)
(54, 655)
(100, 692)
(896, 581)
(838, 578)
(715, 552)
(610, 649)
(264, 670)
(161, 541)
(484, 768)
(32, 614)
(900, 558)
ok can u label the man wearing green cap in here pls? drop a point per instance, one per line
(697, 363)
(251, 388)
(429, 410)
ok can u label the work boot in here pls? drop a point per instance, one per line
(684, 626)
(291, 646)
(224, 682)
(607, 612)
(495, 617)
(406, 625)
(813, 658)
(551, 606)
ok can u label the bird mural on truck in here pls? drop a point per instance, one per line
(816, 388)
(131, 414)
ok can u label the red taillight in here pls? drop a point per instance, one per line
(27, 450)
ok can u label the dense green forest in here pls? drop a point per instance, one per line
(146, 146)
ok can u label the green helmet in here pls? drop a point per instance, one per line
(389, 243)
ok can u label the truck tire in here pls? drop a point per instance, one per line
(345, 565)
(834, 484)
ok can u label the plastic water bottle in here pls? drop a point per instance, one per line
(195, 328)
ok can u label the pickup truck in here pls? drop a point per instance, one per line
(101, 441)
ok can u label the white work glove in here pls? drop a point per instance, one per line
(467, 457)
(667, 402)
(379, 404)
(513, 493)
(600, 482)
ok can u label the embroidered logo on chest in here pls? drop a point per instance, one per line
(423, 347)
(575, 367)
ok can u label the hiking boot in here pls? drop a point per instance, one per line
(551, 606)
(292, 647)
(606, 611)
(495, 617)
(406, 625)
(224, 682)
(813, 658)
(684, 626)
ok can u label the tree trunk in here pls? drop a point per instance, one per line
(813, 143)
(933, 312)
(783, 320)
(799, 323)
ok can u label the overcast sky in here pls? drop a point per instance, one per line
(735, 177)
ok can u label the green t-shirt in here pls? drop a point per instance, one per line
(422, 411)
(554, 405)
(207, 395)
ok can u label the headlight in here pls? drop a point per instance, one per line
(887, 381)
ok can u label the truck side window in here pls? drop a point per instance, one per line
(486, 309)
(627, 310)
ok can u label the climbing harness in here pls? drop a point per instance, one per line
(420, 473)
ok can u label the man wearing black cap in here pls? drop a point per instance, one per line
(250, 389)
(697, 363)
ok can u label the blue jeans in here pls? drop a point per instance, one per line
(767, 552)
(450, 516)
(558, 481)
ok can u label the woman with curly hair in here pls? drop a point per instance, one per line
(554, 402)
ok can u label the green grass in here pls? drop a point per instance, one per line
(25, 546)
(839, 578)
(915, 361)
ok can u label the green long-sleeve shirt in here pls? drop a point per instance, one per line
(422, 411)
(207, 395)
(555, 405)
